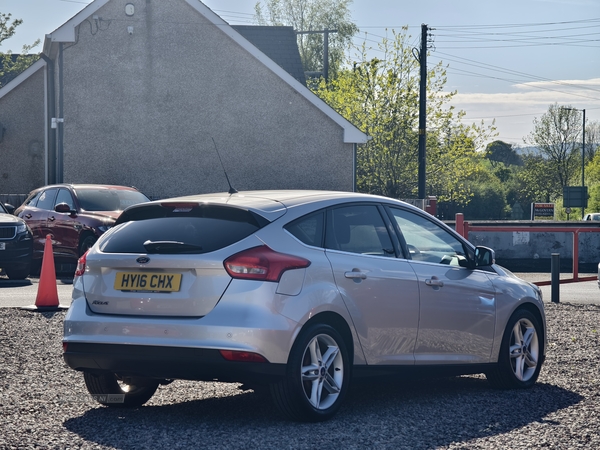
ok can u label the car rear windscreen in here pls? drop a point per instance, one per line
(198, 230)
(108, 199)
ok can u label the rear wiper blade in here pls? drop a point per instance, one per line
(171, 247)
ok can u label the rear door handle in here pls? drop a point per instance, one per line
(356, 274)
(434, 281)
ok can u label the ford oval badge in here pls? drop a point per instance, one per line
(143, 260)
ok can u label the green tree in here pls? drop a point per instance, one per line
(592, 170)
(7, 29)
(489, 191)
(12, 65)
(313, 15)
(499, 151)
(488, 202)
(592, 139)
(556, 134)
(592, 179)
(594, 200)
(537, 183)
(381, 97)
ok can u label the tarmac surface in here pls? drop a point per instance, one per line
(24, 293)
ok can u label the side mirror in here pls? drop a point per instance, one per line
(64, 208)
(10, 208)
(484, 256)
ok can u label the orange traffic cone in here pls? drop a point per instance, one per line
(47, 294)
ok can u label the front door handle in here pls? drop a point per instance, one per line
(51, 218)
(434, 281)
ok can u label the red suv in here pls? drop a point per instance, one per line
(75, 215)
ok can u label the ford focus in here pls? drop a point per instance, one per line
(295, 292)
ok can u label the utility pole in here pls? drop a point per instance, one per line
(325, 48)
(584, 201)
(422, 111)
(583, 192)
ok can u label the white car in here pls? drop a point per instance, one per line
(295, 291)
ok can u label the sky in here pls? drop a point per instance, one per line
(507, 60)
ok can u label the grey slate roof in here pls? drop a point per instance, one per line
(279, 44)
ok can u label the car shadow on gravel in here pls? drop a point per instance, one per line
(389, 413)
(5, 282)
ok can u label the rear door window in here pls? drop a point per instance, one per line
(358, 229)
(46, 199)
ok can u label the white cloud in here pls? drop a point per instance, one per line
(514, 111)
(593, 83)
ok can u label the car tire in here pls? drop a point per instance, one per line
(317, 378)
(86, 244)
(102, 386)
(18, 273)
(521, 353)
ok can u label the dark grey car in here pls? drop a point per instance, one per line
(16, 245)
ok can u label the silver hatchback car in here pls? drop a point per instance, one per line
(296, 291)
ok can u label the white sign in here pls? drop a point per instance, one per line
(520, 237)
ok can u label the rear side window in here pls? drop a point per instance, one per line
(32, 200)
(191, 230)
(308, 229)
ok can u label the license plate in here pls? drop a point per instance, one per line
(2, 245)
(148, 281)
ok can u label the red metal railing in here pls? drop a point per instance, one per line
(463, 228)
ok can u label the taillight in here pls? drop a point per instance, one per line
(81, 265)
(262, 263)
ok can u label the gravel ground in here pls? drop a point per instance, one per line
(43, 404)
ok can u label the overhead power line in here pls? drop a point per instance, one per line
(580, 33)
(486, 66)
(517, 25)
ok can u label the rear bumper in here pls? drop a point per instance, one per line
(177, 347)
(167, 363)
